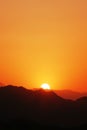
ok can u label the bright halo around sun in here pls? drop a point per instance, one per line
(45, 86)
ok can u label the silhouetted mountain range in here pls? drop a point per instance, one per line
(41, 109)
(69, 94)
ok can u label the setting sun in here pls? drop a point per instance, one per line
(45, 86)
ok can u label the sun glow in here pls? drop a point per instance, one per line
(45, 86)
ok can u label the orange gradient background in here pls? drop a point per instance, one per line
(44, 41)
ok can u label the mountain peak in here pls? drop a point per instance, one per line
(41, 106)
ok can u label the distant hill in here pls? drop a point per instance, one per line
(69, 94)
(20, 107)
(1, 84)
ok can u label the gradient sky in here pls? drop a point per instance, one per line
(44, 41)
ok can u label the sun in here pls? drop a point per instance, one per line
(45, 86)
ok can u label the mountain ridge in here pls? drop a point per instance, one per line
(69, 94)
(43, 107)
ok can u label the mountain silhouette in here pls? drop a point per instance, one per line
(69, 94)
(43, 109)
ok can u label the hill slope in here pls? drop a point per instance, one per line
(68, 94)
(41, 107)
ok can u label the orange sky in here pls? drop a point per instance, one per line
(44, 41)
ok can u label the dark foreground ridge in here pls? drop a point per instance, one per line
(27, 109)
